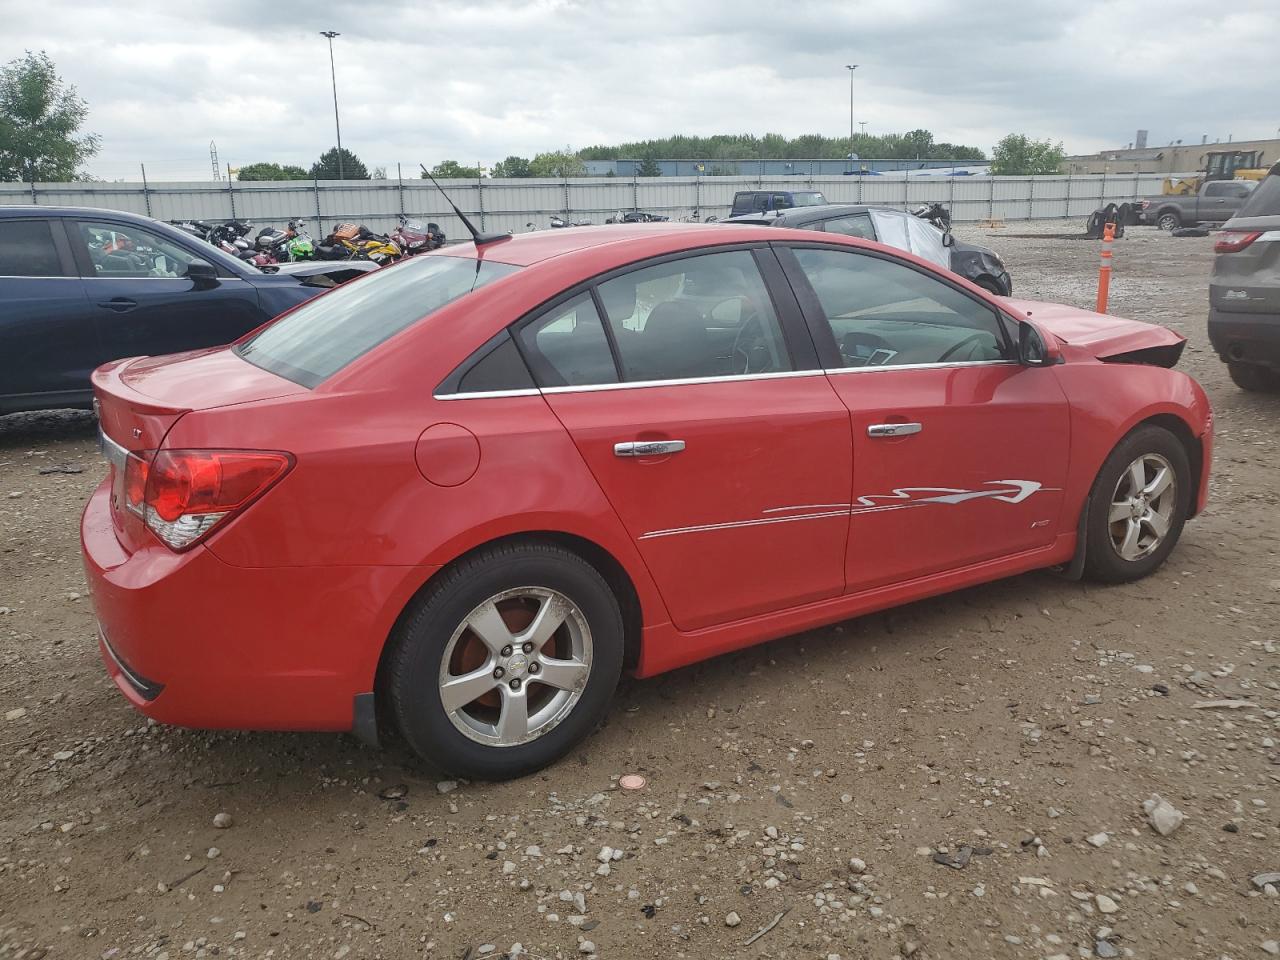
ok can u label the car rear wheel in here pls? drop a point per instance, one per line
(1138, 506)
(1250, 376)
(508, 661)
(1169, 220)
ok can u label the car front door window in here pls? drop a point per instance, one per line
(886, 314)
(127, 252)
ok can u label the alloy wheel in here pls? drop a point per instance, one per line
(516, 666)
(1142, 506)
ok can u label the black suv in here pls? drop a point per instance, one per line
(768, 201)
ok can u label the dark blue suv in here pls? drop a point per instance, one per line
(79, 287)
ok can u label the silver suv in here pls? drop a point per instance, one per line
(1244, 291)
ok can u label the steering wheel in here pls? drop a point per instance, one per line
(972, 338)
(751, 349)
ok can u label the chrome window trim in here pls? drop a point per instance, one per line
(490, 394)
(694, 381)
(923, 366)
(27, 276)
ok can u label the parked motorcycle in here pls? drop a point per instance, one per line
(351, 242)
(413, 238)
(231, 237)
(290, 244)
(558, 221)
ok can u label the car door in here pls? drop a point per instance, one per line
(144, 304)
(48, 342)
(960, 453)
(696, 400)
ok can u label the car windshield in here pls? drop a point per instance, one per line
(1264, 201)
(814, 199)
(327, 333)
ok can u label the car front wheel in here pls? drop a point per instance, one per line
(508, 661)
(1169, 221)
(1138, 506)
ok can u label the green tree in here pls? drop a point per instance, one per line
(558, 163)
(326, 168)
(271, 171)
(40, 118)
(453, 170)
(513, 166)
(379, 173)
(1019, 156)
(648, 167)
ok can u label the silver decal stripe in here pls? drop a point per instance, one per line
(902, 498)
(732, 525)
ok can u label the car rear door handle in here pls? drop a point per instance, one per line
(118, 304)
(893, 429)
(647, 448)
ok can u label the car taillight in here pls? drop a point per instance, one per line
(185, 494)
(1233, 241)
(1145, 204)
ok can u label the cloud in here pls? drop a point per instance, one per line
(426, 81)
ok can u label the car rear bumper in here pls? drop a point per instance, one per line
(191, 640)
(1246, 337)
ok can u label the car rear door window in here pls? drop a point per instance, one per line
(856, 225)
(567, 346)
(700, 316)
(27, 250)
(887, 314)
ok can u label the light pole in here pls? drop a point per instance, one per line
(330, 34)
(851, 67)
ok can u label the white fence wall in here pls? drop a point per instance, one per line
(522, 204)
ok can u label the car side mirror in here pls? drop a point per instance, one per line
(948, 240)
(202, 275)
(1032, 351)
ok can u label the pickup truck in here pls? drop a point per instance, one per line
(1216, 202)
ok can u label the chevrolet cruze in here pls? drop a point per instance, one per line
(460, 496)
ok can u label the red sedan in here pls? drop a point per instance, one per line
(461, 495)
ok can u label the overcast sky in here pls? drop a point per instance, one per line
(477, 80)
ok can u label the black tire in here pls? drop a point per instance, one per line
(1169, 220)
(1251, 377)
(1103, 561)
(412, 679)
(990, 284)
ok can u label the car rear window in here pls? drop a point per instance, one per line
(322, 336)
(27, 250)
(1265, 200)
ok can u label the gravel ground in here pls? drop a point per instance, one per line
(1011, 731)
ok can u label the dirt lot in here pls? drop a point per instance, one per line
(1027, 720)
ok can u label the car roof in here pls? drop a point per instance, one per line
(526, 249)
(31, 210)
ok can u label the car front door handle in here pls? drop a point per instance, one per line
(893, 429)
(647, 448)
(118, 304)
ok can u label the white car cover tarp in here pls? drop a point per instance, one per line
(912, 234)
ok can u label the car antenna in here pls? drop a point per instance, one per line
(479, 238)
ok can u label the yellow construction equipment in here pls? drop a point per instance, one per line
(1219, 165)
